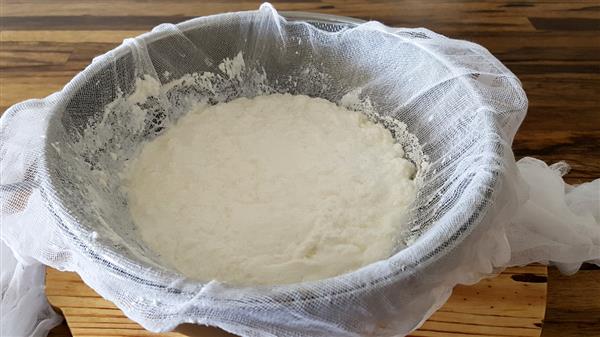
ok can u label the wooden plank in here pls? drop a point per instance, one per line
(14, 58)
(411, 8)
(75, 37)
(574, 303)
(512, 304)
(574, 147)
(123, 23)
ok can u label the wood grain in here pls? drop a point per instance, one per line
(511, 304)
(574, 303)
(553, 46)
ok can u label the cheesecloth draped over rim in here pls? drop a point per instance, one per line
(476, 212)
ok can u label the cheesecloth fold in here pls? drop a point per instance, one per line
(477, 211)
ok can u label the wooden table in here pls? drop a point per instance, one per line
(554, 48)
